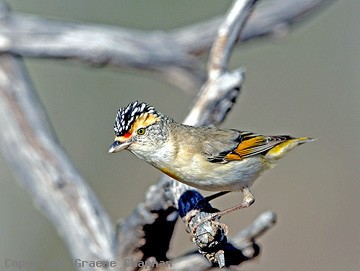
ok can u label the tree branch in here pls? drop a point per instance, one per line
(270, 19)
(172, 55)
(42, 167)
(243, 241)
(226, 38)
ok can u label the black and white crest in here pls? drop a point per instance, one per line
(126, 116)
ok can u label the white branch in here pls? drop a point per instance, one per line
(227, 34)
(172, 55)
(42, 167)
(271, 18)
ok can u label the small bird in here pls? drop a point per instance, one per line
(207, 158)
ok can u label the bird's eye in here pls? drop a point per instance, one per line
(141, 131)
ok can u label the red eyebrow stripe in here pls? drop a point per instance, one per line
(127, 135)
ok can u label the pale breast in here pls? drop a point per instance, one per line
(232, 176)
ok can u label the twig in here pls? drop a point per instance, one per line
(243, 246)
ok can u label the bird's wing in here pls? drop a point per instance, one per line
(244, 145)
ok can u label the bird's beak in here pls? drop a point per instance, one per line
(118, 146)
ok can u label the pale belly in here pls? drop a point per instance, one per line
(231, 176)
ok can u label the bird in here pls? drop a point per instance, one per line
(207, 158)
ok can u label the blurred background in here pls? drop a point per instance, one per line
(304, 85)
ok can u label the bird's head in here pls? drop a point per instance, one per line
(138, 128)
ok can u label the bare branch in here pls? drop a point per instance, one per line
(260, 226)
(28, 143)
(228, 32)
(243, 244)
(158, 207)
(147, 231)
(271, 18)
(220, 91)
(99, 46)
(171, 55)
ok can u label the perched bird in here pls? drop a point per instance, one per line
(207, 158)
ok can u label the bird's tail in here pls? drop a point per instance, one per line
(282, 148)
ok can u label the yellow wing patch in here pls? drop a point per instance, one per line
(248, 147)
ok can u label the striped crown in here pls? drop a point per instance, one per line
(125, 117)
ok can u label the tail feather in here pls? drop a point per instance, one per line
(303, 140)
(282, 148)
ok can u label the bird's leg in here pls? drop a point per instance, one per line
(248, 200)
